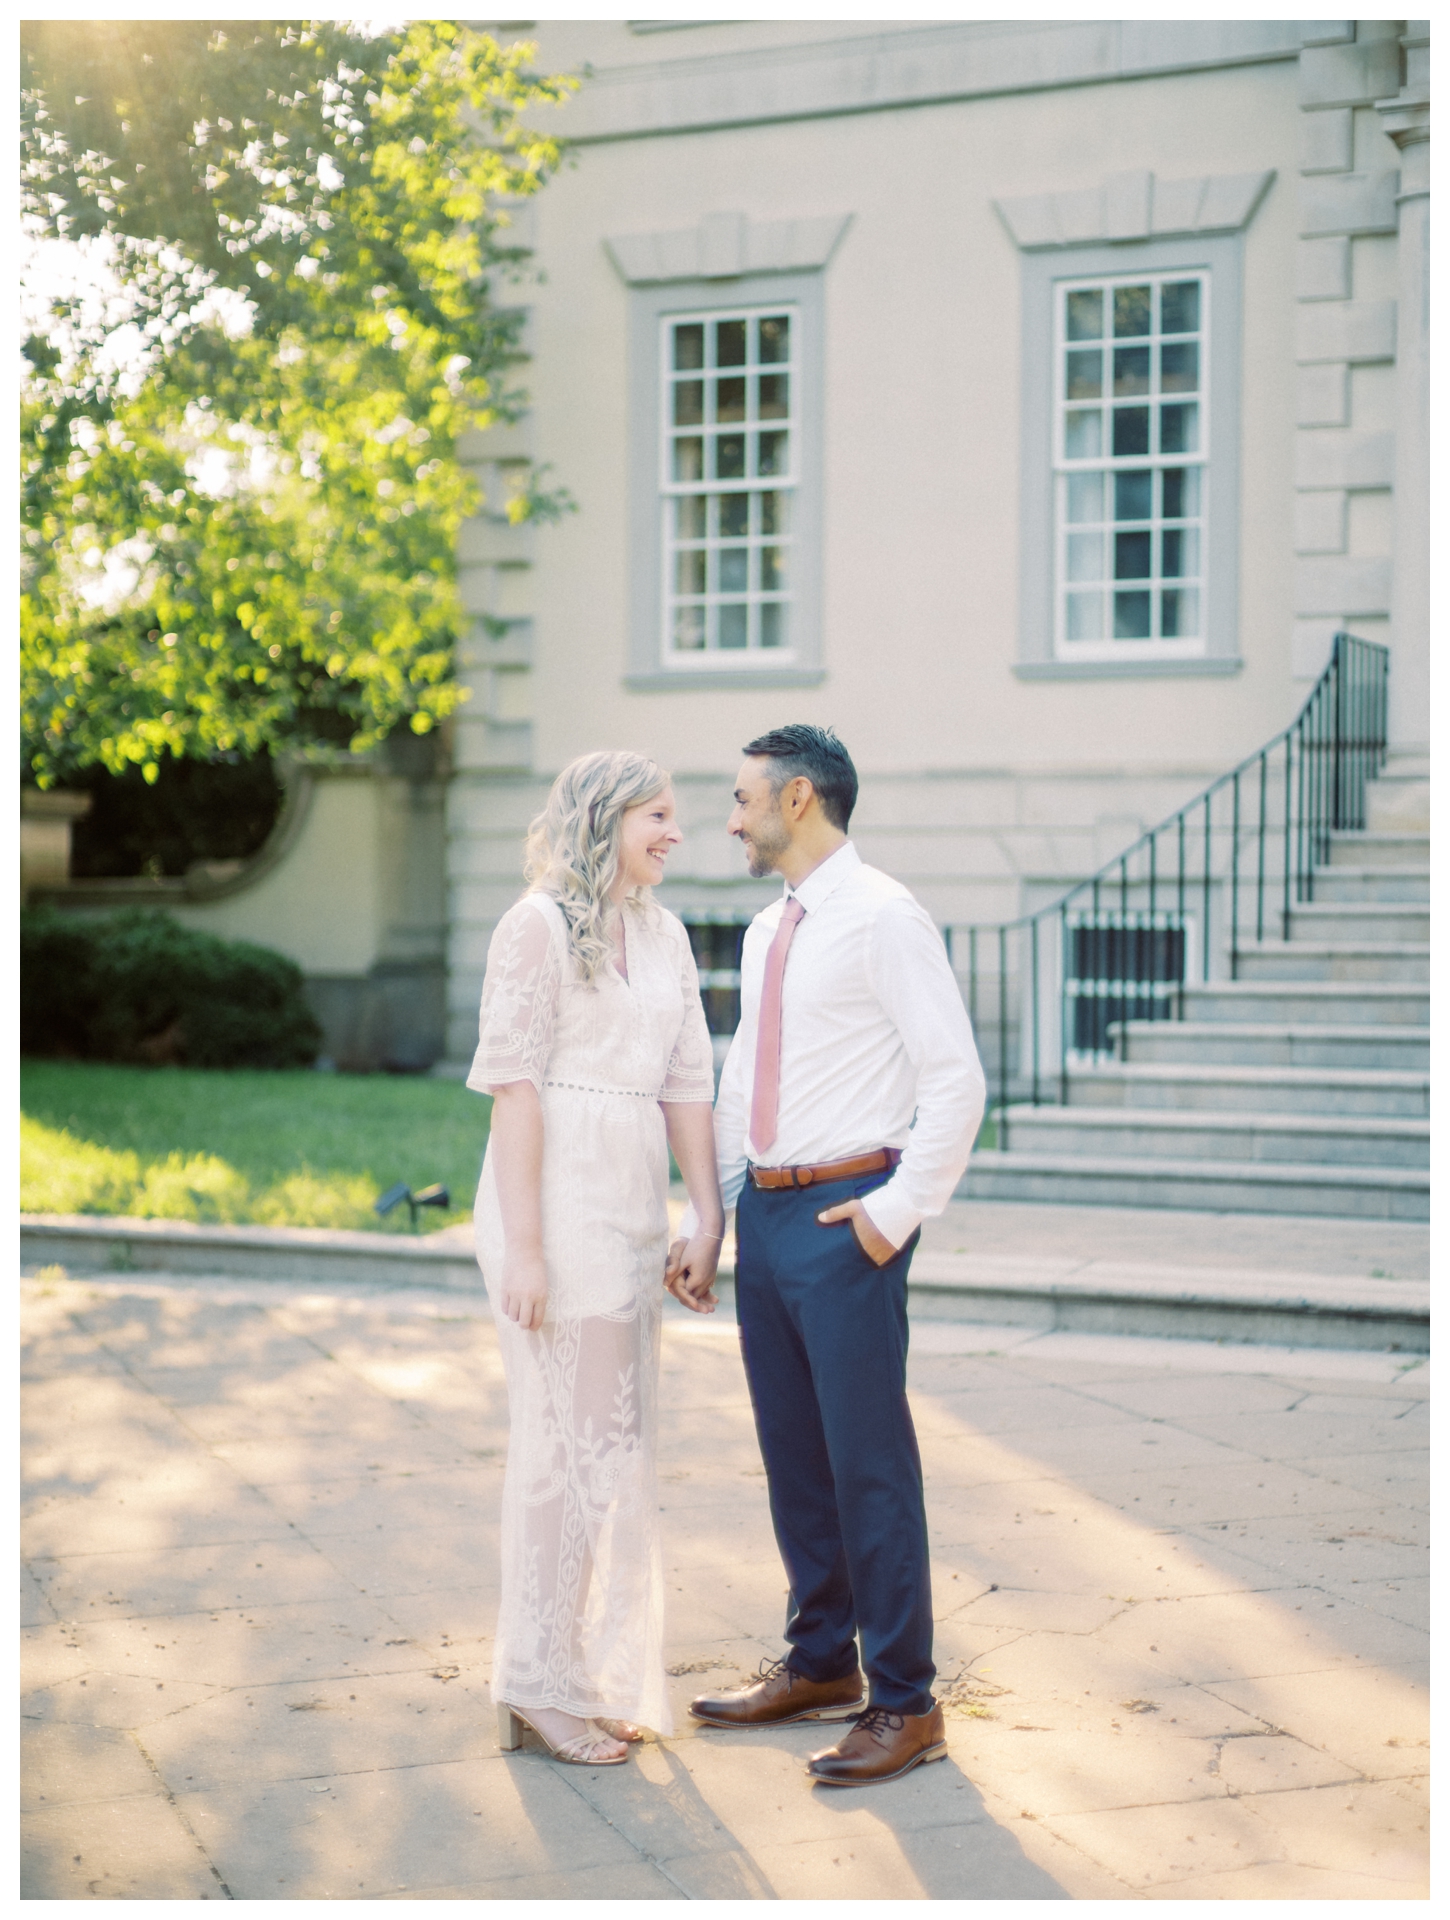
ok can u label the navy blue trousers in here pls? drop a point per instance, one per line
(824, 1336)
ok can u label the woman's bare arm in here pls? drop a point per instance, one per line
(691, 1272)
(516, 1143)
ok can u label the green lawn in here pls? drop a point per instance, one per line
(283, 1149)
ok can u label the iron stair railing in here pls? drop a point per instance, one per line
(1120, 945)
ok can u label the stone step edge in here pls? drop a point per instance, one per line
(1195, 1315)
(1361, 917)
(1294, 1309)
(1358, 876)
(1343, 949)
(117, 1243)
(1274, 1173)
(1269, 1030)
(101, 1226)
(1369, 836)
(1198, 1074)
(1313, 989)
(1223, 1120)
(1103, 1280)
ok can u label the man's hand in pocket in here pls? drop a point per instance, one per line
(873, 1243)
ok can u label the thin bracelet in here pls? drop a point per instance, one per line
(707, 1236)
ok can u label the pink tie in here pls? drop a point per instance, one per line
(765, 1099)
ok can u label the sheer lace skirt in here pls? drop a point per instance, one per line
(581, 1620)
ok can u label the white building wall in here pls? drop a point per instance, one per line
(980, 788)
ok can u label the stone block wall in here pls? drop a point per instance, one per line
(1345, 339)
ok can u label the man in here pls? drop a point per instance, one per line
(851, 1022)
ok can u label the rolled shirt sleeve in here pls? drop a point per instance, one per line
(912, 979)
(730, 1157)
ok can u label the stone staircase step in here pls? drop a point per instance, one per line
(1352, 884)
(1311, 1002)
(1398, 802)
(1384, 1094)
(1117, 1297)
(1359, 921)
(1401, 763)
(1141, 1137)
(1104, 1296)
(1215, 1186)
(1229, 1043)
(1299, 1086)
(100, 1243)
(1338, 960)
(1379, 849)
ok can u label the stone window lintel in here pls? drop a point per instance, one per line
(1134, 206)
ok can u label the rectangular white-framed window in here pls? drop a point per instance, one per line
(725, 482)
(1131, 376)
(1131, 447)
(728, 481)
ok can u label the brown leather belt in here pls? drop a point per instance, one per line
(773, 1177)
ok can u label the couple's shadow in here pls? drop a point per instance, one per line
(726, 1815)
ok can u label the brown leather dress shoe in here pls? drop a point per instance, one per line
(881, 1746)
(779, 1696)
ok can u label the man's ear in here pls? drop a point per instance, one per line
(801, 795)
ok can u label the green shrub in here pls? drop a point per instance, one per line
(140, 987)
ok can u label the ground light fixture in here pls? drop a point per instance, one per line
(435, 1196)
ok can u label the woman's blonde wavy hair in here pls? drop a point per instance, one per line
(572, 851)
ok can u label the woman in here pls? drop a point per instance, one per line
(593, 1043)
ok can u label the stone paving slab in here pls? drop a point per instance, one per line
(131, 1849)
(1181, 1596)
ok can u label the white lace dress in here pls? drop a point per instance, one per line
(581, 1622)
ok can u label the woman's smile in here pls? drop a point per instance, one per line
(647, 832)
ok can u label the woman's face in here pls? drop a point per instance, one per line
(646, 834)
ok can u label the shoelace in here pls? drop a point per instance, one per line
(876, 1720)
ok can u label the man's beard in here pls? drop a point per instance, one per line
(764, 848)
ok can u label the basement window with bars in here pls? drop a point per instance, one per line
(1130, 452)
(728, 483)
(1121, 964)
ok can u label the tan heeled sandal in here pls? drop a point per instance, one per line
(578, 1752)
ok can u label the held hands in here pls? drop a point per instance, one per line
(690, 1272)
(525, 1290)
(873, 1243)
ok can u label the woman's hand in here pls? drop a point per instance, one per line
(690, 1272)
(690, 1268)
(525, 1289)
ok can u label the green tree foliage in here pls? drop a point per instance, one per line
(241, 491)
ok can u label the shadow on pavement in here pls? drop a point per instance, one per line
(969, 1856)
(733, 1817)
(1182, 1612)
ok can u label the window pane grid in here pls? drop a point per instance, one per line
(1130, 448)
(727, 479)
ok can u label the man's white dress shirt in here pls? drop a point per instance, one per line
(873, 1031)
